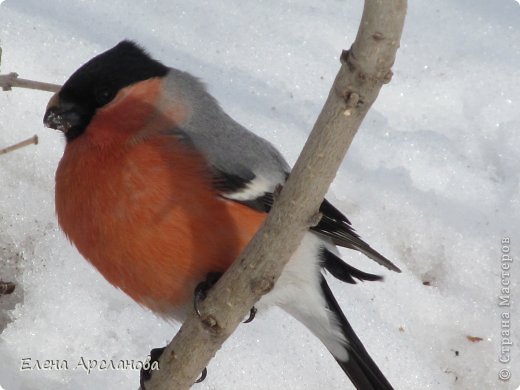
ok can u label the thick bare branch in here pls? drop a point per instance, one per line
(365, 68)
(11, 80)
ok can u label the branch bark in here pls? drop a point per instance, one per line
(364, 70)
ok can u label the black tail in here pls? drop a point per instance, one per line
(360, 368)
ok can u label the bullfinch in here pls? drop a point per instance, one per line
(158, 187)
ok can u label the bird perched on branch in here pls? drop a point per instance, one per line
(158, 187)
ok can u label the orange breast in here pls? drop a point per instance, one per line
(144, 213)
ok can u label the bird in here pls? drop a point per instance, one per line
(158, 187)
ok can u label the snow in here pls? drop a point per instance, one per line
(431, 181)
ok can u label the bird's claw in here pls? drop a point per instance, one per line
(201, 291)
(203, 375)
(252, 315)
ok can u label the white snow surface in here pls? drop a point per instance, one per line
(431, 181)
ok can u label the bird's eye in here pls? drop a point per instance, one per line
(103, 96)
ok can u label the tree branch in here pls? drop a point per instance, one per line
(365, 68)
(10, 80)
(29, 141)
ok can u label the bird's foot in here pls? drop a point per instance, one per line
(201, 292)
(155, 354)
(146, 374)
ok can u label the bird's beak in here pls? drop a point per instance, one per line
(61, 115)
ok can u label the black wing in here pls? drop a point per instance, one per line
(333, 224)
(337, 227)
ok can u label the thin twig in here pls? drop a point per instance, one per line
(10, 80)
(29, 141)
